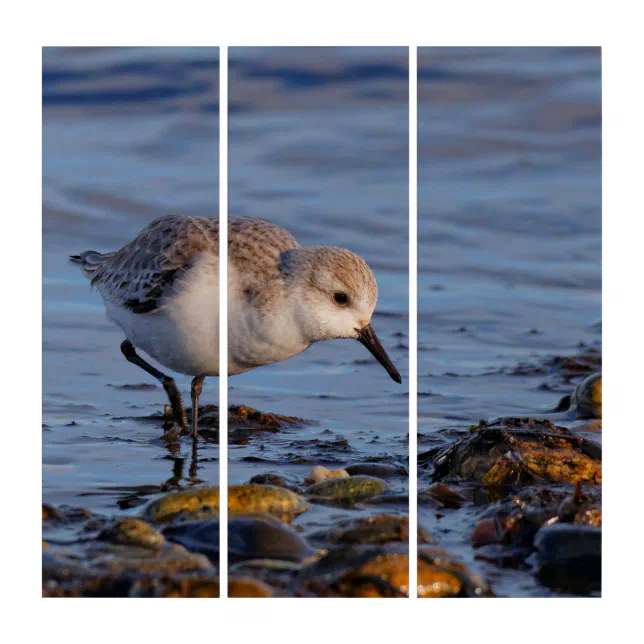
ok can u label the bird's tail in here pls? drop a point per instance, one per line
(90, 261)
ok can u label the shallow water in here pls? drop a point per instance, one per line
(509, 200)
(128, 135)
(318, 143)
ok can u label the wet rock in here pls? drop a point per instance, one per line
(485, 532)
(520, 451)
(444, 496)
(200, 501)
(269, 479)
(241, 415)
(196, 536)
(203, 502)
(400, 500)
(384, 575)
(50, 513)
(379, 470)
(569, 558)
(358, 571)
(249, 537)
(171, 560)
(265, 538)
(508, 535)
(587, 399)
(580, 508)
(265, 499)
(65, 514)
(248, 587)
(134, 532)
(192, 587)
(380, 529)
(441, 575)
(347, 490)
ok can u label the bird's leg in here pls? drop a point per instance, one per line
(168, 383)
(195, 392)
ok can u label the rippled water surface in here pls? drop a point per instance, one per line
(509, 250)
(128, 135)
(319, 144)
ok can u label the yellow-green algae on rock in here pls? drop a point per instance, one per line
(134, 532)
(587, 399)
(250, 498)
(192, 500)
(351, 488)
(253, 498)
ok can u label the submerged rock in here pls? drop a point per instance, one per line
(520, 451)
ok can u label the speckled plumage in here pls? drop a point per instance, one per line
(162, 290)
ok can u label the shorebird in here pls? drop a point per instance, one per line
(161, 289)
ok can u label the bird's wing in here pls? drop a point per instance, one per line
(255, 249)
(142, 273)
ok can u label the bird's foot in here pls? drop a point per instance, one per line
(173, 434)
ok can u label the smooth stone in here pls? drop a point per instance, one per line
(248, 587)
(249, 537)
(379, 470)
(192, 587)
(252, 498)
(353, 488)
(587, 399)
(440, 574)
(570, 557)
(187, 501)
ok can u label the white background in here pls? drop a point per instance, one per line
(616, 26)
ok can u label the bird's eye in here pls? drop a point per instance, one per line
(341, 299)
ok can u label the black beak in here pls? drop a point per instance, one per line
(370, 340)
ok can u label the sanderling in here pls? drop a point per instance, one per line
(161, 289)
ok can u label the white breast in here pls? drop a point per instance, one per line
(183, 334)
(258, 338)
